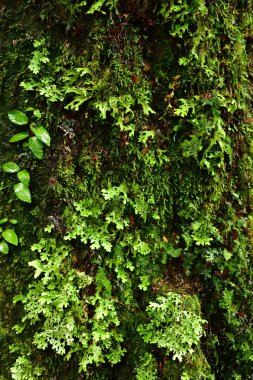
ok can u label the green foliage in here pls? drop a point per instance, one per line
(10, 236)
(35, 144)
(97, 5)
(10, 167)
(22, 192)
(147, 368)
(87, 83)
(41, 135)
(66, 322)
(36, 147)
(24, 177)
(173, 316)
(18, 117)
(25, 369)
(144, 270)
(19, 136)
(4, 248)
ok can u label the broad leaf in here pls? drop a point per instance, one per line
(18, 117)
(42, 134)
(36, 147)
(4, 248)
(19, 136)
(10, 236)
(10, 167)
(24, 177)
(23, 192)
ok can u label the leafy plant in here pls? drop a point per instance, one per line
(9, 235)
(66, 325)
(36, 142)
(174, 324)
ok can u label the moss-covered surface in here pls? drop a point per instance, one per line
(135, 256)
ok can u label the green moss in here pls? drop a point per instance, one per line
(146, 190)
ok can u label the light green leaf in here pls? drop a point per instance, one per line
(14, 221)
(42, 134)
(96, 7)
(36, 147)
(10, 167)
(4, 220)
(37, 113)
(23, 192)
(4, 247)
(10, 236)
(24, 177)
(18, 117)
(19, 136)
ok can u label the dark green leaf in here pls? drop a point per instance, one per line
(36, 147)
(18, 117)
(10, 167)
(24, 177)
(4, 248)
(23, 192)
(10, 236)
(42, 134)
(19, 136)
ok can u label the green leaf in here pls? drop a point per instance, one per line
(18, 117)
(24, 177)
(19, 136)
(42, 134)
(37, 113)
(14, 221)
(10, 236)
(10, 167)
(23, 192)
(36, 147)
(4, 247)
(4, 220)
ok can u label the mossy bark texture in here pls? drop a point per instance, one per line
(126, 228)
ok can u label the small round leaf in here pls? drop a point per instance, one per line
(18, 117)
(4, 220)
(19, 136)
(10, 236)
(4, 247)
(24, 177)
(23, 192)
(10, 167)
